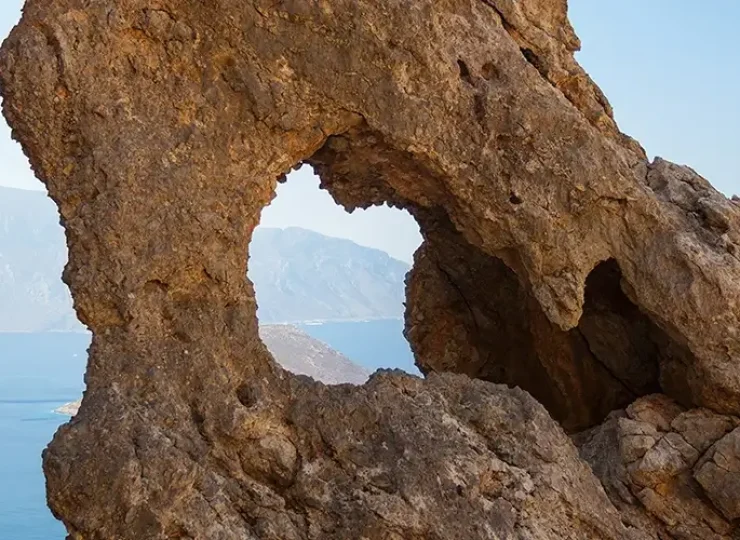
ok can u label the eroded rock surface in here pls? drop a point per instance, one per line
(161, 128)
(671, 472)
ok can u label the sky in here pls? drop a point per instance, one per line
(669, 69)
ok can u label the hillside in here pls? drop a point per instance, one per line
(301, 354)
(32, 257)
(299, 275)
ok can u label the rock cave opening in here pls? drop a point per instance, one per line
(466, 311)
(484, 322)
(330, 284)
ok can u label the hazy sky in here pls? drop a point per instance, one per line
(669, 69)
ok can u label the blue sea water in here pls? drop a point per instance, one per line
(40, 372)
(371, 344)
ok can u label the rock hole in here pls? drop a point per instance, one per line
(489, 71)
(330, 284)
(479, 107)
(247, 395)
(483, 321)
(618, 334)
(465, 72)
(466, 310)
(533, 59)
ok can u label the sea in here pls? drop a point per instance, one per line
(40, 372)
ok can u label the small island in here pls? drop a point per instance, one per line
(69, 409)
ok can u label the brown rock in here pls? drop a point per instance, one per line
(657, 411)
(719, 475)
(701, 427)
(670, 456)
(556, 258)
(660, 482)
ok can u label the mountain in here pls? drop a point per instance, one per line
(301, 354)
(299, 275)
(297, 352)
(32, 257)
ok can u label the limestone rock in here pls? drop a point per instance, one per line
(454, 458)
(556, 258)
(719, 475)
(662, 483)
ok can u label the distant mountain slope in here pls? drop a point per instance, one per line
(299, 275)
(32, 257)
(297, 352)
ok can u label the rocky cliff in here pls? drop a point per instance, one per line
(556, 257)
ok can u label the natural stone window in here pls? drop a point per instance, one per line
(160, 132)
(469, 312)
(330, 297)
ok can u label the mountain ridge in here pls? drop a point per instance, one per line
(299, 275)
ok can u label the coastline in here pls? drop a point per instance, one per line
(69, 409)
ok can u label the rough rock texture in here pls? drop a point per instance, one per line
(671, 472)
(161, 127)
(296, 352)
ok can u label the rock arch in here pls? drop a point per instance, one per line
(160, 129)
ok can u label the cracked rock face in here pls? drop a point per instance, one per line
(555, 258)
(671, 472)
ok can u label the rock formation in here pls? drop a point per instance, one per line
(670, 471)
(556, 258)
(296, 352)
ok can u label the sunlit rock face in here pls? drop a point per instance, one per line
(671, 472)
(556, 258)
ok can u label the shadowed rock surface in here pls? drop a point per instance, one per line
(161, 129)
